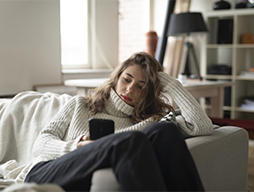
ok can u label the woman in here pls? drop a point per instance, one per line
(146, 154)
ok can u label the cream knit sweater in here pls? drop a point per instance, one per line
(65, 130)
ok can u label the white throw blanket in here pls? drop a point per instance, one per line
(21, 120)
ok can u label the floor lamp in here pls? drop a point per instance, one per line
(184, 24)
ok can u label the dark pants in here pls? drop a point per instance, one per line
(156, 159)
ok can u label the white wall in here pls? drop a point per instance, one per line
(30, 44)
(30, 52)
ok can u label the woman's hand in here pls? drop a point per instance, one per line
(84, 141)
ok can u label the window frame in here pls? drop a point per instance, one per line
(102, 21)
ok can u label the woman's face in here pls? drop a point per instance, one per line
(130, 83)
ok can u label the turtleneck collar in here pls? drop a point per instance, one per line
(117, 107)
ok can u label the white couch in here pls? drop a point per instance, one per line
(221, 158)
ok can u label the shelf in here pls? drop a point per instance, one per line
(240, 109)
(244, 45)
(222, 77)
(231, 12)
(244, 78)
(226, 108)
(216, 46)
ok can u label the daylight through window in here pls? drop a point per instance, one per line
(74, 33)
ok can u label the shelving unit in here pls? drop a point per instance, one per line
(238, 56)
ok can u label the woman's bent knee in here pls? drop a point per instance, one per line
(137, 136)
(163, 127)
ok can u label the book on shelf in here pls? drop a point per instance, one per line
(248, 103)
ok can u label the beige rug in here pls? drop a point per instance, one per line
(251, 167)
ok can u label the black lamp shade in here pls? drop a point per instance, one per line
(186, 23)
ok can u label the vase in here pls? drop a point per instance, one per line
(221, 5)
(151, 42)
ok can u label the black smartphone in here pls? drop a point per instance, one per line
(100, 127)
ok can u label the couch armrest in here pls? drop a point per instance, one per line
(222, 158)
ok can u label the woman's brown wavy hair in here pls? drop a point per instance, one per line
(151, 104)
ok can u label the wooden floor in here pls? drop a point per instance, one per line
(251, 167)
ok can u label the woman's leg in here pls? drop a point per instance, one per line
(175, 161)
(129, 154)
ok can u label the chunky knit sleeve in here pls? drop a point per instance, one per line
(50, 142)
(193, 120)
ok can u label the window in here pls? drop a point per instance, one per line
(74, 33)
(78, 42)
(134, 22)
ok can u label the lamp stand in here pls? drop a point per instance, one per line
(185, 65)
